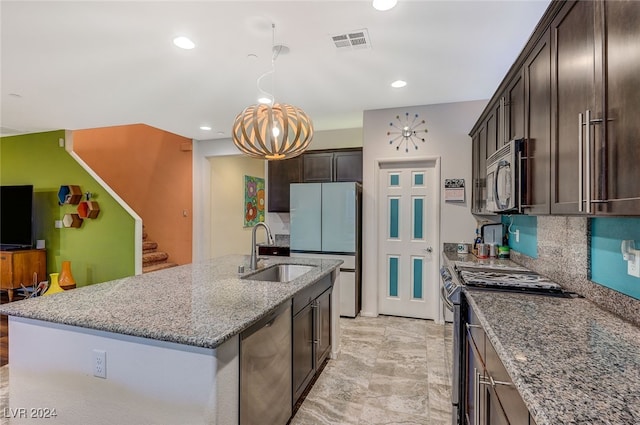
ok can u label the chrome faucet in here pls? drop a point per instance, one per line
(254, 248)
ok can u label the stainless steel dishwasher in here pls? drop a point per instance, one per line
(265, 370)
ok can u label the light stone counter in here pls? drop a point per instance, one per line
(169, 344)
(202, 304)
(572, 362)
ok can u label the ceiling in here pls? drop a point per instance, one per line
(87, 64)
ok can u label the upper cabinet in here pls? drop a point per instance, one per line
(572, 94)
(339, 165)
(281, 174)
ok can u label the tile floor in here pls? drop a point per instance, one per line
(391, 370)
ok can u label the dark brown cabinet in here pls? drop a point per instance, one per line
(311, 333)
(618, 155)
(536, 158)
(595, 102)
(318, 167)
(573, 94)
(281, 174)
(491, 398)
(341, 165)
(334, 166)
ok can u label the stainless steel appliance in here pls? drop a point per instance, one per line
(326, 222)
(505, 184)
(457, 276)
(265, 370)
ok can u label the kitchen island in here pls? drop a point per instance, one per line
(169, 340)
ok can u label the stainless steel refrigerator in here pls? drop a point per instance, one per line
(326, 221)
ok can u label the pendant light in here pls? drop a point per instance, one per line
(272, 130)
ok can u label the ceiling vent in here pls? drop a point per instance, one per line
(354, 40)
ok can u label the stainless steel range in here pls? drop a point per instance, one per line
(496, 276)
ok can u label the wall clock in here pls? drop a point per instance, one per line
(407, 132)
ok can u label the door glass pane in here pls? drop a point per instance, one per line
(418, 179)
(418, 217)
(393, 276)
(394, 179)
(394, 211)
(417, 278)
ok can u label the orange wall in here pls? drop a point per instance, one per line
(151, 170)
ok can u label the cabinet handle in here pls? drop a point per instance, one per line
(494, 383)
(469, 326)
(314, 307)
(580, 162)
(588, 158)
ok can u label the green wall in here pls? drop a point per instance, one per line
(103, 248)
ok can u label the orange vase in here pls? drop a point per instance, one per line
(66, 279)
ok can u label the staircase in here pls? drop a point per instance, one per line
(152, 259)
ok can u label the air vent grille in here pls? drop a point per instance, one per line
(358, 39)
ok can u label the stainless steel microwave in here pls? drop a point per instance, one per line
(504, 182)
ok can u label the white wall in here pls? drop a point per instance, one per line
(448, 138)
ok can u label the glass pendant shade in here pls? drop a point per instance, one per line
(273, 132)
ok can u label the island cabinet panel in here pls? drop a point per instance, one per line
(536, 158)
(312, 311)
(574, 99)
(620, 156)
(281, 174)
(20, 267)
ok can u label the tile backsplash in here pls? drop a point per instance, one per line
(564, 253)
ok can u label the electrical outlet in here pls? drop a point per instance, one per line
(100, 363)
(633, 266)
(517, 232)
(58, 224)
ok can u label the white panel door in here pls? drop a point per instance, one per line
(407, 237)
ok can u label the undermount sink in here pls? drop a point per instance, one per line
(280, 273)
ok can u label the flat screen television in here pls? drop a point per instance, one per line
(16, 217)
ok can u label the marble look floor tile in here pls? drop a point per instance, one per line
(391, 370)
(321, 411)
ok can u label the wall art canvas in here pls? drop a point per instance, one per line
(254, 205)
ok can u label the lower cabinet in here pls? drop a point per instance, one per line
(311, 333)
(490, 396)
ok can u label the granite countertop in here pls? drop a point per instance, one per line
(200, 304)
(572, 362)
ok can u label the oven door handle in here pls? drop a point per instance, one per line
(444, 298)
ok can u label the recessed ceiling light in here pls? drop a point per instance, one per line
(184, 43)
(264, 100)
(205, 127)
(398, 84)
(384, 4)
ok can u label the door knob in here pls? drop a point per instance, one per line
(429, 249)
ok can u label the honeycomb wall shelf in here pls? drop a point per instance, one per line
(72, 220)
(88, 209)
(69, 194)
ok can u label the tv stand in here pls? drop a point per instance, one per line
(18, 267)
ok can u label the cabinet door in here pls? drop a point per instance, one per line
(515, 109)
(474, 411)
(573, 92)
(622, 156)
(6, 270)
(317, 167)
(281, 175)
(479, 170)
(537, 161)
(323, 327)
(492, 131)
(303, 356)
(475, 173)
(347, 166)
